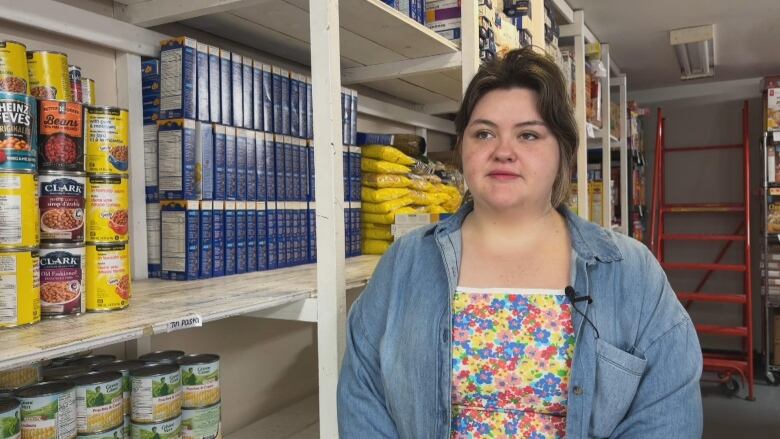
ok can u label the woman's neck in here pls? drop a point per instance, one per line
(512, 227)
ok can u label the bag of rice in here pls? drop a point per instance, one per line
(382, 167)
(388, 154)
(387, 206)
(375, 246)
(380, 195)
(384, 218)
(381, 181)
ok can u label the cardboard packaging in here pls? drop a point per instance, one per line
(178, 67)
(180, 230)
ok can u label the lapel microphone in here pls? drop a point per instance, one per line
(572, 296)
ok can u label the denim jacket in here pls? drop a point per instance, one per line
(639, 378)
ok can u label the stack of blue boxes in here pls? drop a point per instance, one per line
(236, 154)
(415, 9)
(150, 86)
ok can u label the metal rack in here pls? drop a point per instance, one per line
(768, 305)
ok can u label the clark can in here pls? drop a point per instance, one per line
(14, 76)
(61, 204)
(18, 133)
(62, 280)
(48, 75)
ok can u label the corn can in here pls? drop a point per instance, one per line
(18, 133)
(126, 427)
(107, 208)
(10, 418)
(98, 401)
(106, 137)
(48, 75)
(155, 394)
(87, 91)
(113, 433)
(20, 301)
(108, 276)
(19, 222)
(48, 410)
(14, 76)
(202, 423)
(62, 280)
(63, 373)
(169, 429)
(74, 74)
(20, 376)
(200, 380)
(60, 136)
(124, 367)
(167, 357)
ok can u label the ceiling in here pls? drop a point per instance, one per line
(747, 36)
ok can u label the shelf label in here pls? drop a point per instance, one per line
(186, 322)
(776, 136)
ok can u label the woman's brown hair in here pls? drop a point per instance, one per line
(529, 69)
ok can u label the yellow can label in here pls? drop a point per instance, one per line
(49, 78)
(20, 287)
(19, 221)
(106, 140)
(106, 203)
(108, 276)
(13, 68)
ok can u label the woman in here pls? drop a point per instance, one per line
(515, 317)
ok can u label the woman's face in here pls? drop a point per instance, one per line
(510, 157)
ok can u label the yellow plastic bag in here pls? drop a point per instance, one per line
(419, 184)
(375, 246)
(436, 209)
(387, 206)
(376, 232)
(382, 167)
(388, 154)
(384, 218)
(381, 181)
(369, 195)
(426, 198)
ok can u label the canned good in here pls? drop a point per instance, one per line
(126, 427)
(10, 418)
(87, 91)
(117, 432)
(14, 76)
(63, 373)
(74, 75)
(48, 410)
(98, 401)
(200, 380)
(170, 429)
(166, 357)
(61, 205)
(60, 361)
(19, 210)
(60, 136)
(202, 423)
(106, 140)
(20, 376)
(62, 281)
(48, 75)
(106, 202)
(156, 393)
(20, 301)
(108, 276)
(18, 132)
(93, 361)
(124, 367)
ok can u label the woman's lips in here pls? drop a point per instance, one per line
(503, 175)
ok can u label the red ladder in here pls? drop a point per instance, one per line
(726, 365)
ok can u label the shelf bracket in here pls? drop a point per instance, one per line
(399, 69)
(157, 12)
(302, 311)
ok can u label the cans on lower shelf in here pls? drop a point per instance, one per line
(48, 409)
(155, 394)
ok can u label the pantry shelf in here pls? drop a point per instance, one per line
(156, 302)
(297, 421)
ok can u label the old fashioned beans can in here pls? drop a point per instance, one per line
(19, 210)
(48, 410)
(106, 137)
(20, 302)
(99, 401)
(106, 205)
(18, 132)
(10, 418)
(60, 136)
(156, 393)
(48, 75)
(14, 76)
(62, 279)
(108, 276)
(87, 91)
(61, 204)
(74, 74)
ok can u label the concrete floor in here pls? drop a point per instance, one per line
(736, 418)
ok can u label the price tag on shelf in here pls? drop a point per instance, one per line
(776, 136)
(186, 322)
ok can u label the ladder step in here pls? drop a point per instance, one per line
(699, 237)
(702, 148)
(733, 331)
(724, 364)
(708, 297)
(702, 208)
(708, 267)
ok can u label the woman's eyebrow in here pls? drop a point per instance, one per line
(519, 124)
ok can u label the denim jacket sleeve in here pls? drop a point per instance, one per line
(668, 400)
(362, 408)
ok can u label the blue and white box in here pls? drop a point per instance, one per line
(180, 233)
(150, 67)
(231, 164)
(289, 184)
(251, 165)
(178, 160)
(310, 171)
(345, 109)
(353, 116)
(251, 236)
(285, 101)
(178, 77)
(226, 87)
(260, 166)
(204, 153)
(230, 238)
(218, 238)
(270, 167)
(215, 86)
(302, 106)
(241, 256)
(237, 87)
(257, 96)
(309, 110)
(262, 236)
(150, 163)
(241, 154)
(202, 78)
(272, 234)
(220, 162)
(268, 99)
(277, 100)
(246, 97)
(206, 260)
(311, 225)
(153, 239)
(294, 102)
(279, 179)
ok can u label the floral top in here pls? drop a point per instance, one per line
(511, 357)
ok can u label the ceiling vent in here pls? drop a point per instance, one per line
(695, 50)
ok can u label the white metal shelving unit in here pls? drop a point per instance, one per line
(349, 41)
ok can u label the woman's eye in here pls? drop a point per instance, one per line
(484, 135)
(529, 136)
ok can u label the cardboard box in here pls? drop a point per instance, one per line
(251, 165)
(220, 162)
(773, 216)
(311, 226)
(281, 192)
(153, 244)
(260, 166)
(150, 163)
(299, 169)
(272, 235)
(262, 236)
(773, 109)
(353, 118)
(251, 236)
(285, 101)
(204, 153)
(202, 78)
(180, 231)
(206, 259)
(277, 99)
(215, 86)
(268, 99)
(237, 87)
(231, 164)
(294, 105)
(241, 256)
(289, 169)
(226, 87)
(310, 171)
(218, 238)
(345, 109)
(178, 160)
(150, 67)
(270, 166)
(230, 238)
(241, 155)
(309, 110)
(178, 67)
(246, 83)
(257, 96)
(302, 117)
